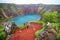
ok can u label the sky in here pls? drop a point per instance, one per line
(31, 1)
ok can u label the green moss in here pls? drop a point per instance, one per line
(58, 25)
(58, 37)
(2, 35)
(39, 22)
(39, 31)
(1, 29)
(50, 17)
(21, 27)
(1, 19)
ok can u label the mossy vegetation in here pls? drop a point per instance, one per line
(21, 27)
(2, 33)
(50, 17)
(40, 31)
(1, 19)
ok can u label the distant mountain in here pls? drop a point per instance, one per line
(57, 7)
(17, 10)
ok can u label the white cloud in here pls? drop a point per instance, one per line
(31, 1)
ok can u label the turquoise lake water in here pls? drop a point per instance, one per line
(20, 20)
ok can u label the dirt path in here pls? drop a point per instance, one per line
(27, 33)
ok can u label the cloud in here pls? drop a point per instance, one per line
(31, 1)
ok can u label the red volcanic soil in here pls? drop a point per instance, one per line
(27, 33)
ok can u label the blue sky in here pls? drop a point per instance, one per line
(31, 1)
